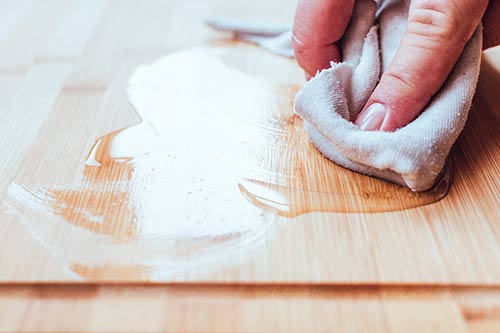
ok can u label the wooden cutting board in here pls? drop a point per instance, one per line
(223, 184)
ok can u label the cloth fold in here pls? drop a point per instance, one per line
(414, 155)
(276, 39)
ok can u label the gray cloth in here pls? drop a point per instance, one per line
(412, 156)
(276, 39)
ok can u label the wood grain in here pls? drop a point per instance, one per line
(64, 85)
(216, 308)
(64, 67)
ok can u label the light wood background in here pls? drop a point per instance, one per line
(226, 308)
(63, 69)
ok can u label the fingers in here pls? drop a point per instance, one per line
(318, 25)
(436, 34)
(491, 23)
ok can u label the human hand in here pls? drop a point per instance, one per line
(437, 31)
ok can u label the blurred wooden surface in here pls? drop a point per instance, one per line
(63, 69)
(250, 308)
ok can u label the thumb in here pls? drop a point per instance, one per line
(318, 26)
(436, 33)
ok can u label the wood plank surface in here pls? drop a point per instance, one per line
(63, 79)
(216, 308)
(64, 70)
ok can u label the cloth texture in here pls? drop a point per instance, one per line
(412, 156)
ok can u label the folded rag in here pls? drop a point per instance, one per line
(414, 155)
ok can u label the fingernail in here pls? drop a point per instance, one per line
(372, 118)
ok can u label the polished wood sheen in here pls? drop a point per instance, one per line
(232, 174)
(313, 247)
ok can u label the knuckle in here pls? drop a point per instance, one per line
(397, 77)
(302, 54)
(435, 21)
(297, 43)
(301, 42)
(300, 49)
(407, 82)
